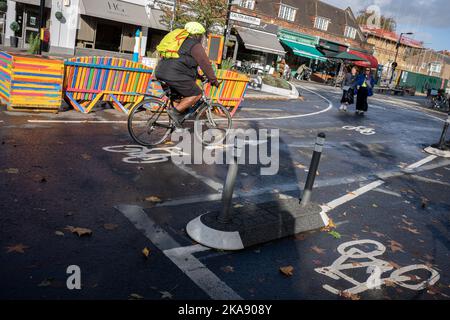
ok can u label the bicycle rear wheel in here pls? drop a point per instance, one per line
(213, 124)
(148, 124)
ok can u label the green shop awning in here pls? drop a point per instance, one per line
(304, 50)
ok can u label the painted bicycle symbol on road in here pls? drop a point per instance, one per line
(353, 257)
(143, 155)
(363, 130)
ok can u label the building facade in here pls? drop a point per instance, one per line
(90, 26)
(308, 31)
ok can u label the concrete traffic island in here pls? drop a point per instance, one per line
(441, 149)
(259, 223)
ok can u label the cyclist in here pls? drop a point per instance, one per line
(180, 73)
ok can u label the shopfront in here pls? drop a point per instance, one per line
(111, 25)
(301, 48)
(253, 41)
(27, 16)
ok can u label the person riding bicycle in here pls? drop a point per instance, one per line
(180, 73)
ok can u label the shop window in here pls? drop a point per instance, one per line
(287, 13)
(321, 23)
(350, 32)
(249, 4)
(108, 36)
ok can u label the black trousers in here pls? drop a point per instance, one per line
(361, 101)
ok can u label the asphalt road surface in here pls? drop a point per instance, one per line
(387, 198)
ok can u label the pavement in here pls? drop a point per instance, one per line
(387, 198)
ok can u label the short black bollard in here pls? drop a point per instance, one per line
(318, 148)
(228, 189)
(441, 145)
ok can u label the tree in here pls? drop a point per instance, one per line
(385, 23)
(210, 13)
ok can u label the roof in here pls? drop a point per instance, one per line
(308, 10)
(393, 36)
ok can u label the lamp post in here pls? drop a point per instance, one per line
(394, 64)
(41, 26)
(227, 31)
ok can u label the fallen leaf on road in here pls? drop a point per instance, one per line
(135, 296)
(287, 271)
(238, 205)
(146, 252)
(395, 246)
(18, 248)
(59, 233)
(12, 171)
(228, 269)
(329, 227)
(300, 166)
(415, 231)
(394, 265)
(79, 231)
(407, 222)
(335, 234)
(378, 234)
(110, 226)
(356, 264)
(85, 156)
(45, 283)
(375, 205)
(153, 199)
(318, 250)
(349, 295)
(389, 283)
(166, 295)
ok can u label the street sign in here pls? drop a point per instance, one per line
(244, 18)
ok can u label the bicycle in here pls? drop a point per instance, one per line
(150, 125)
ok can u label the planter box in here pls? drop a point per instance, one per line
(31, 83)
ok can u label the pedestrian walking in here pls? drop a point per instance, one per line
(348, 88)
(365, 83)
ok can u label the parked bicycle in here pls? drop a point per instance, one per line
(438, 100)
(150, 125)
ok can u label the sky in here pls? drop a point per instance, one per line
(428, 19)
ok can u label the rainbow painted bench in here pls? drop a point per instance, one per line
(122, 82)
(31, 83)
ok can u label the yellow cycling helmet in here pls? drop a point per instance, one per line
(194, 28)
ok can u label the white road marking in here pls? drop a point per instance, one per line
(352, 195)
(423, 179)
(181, 256)
(330, 106)
(79, 121)
(421, 162)
(391, 193)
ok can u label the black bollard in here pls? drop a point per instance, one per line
(441, 145)
(228, 189)
(318, 148)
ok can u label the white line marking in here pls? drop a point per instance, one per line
(423, 179)
(181, 256)
(330, 106)
(391, 193)
(352, 195)
(421, 162)
(79, 121)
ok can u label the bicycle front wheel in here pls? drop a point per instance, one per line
(212, 124)
(148, 124)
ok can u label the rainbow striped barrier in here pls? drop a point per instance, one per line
(231, 91)
(31, 83)
(122, 82)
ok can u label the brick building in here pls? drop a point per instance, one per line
(307, 29)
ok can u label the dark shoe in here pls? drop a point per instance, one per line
(176, 117)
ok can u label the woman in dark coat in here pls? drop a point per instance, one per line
(348, 87)
(364, 83)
